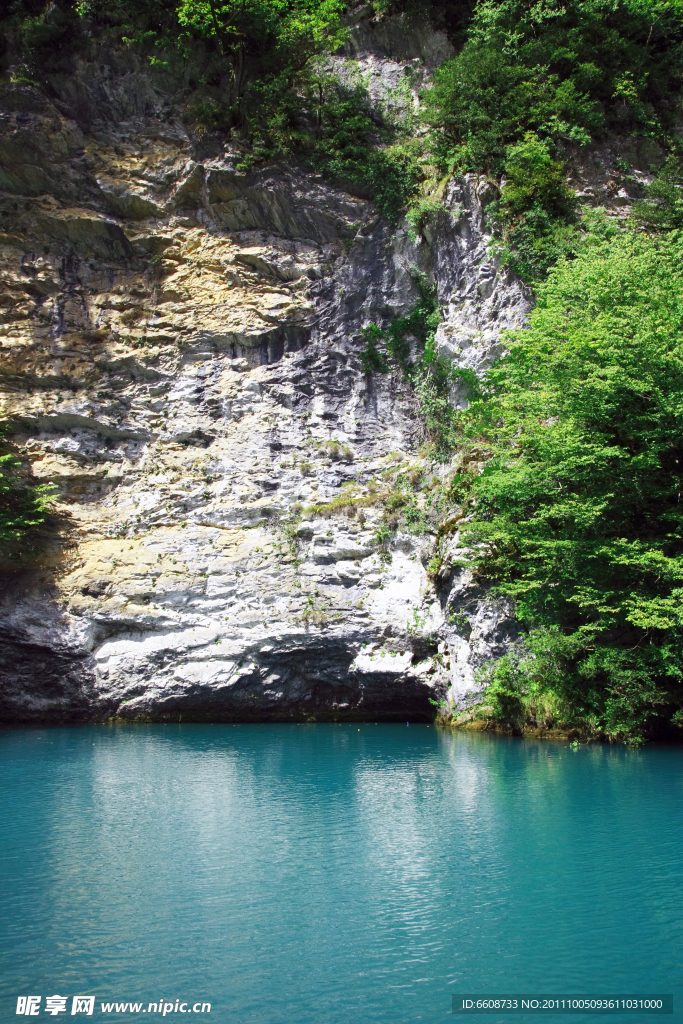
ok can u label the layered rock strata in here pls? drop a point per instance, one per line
(179, 354)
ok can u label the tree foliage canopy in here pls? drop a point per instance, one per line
(264, 38)
(577, 514)
(564, 70)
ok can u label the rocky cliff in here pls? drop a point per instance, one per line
(180, 355)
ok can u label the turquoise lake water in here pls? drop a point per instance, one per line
(334, 874)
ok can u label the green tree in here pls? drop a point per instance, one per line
(662, 207)
(538, 211)
(356, 146)
(264, 38)
(577, 514)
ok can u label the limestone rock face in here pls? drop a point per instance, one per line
(179, 353)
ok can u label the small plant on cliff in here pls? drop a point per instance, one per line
(372, 358)
(288, 531)
(23, 505)
(408, 344)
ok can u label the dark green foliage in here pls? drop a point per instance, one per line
(531, 80)
(484, 100)
(419, 323)
(23, 505)
(553, 225)
(393, 343)
(535, 179)
(25, 8)
(452, 17)
(433, 381)
(264, 41)
(208, 115)
(372, 359)
(578, 512)
(535, 242)
(387, 176)
(36, 37)
(662, 207)
(566, 71)
(537, 213)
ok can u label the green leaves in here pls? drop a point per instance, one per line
(579, 507)
(538, 212)
(662, 207)
(263, 42)
(372, 358)
(533, 177)
(532, 79)
(357, 146)
(509, 78)
(566, 72)
(22, 505)
(296, 26)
